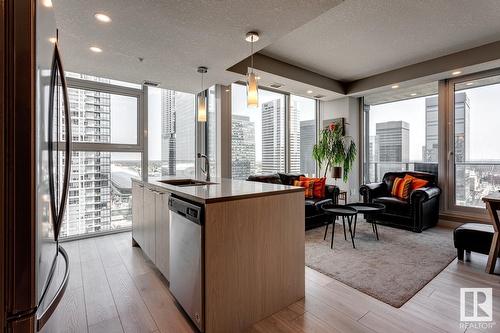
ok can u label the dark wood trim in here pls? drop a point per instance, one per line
(18, 155)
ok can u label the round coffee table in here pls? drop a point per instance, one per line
(343, 211)
(370, 210)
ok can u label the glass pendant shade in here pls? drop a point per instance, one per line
(252, 91)
(202, 108)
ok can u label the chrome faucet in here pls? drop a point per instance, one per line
(205, 171)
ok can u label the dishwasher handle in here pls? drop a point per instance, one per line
(188, 210)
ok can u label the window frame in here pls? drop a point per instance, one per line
(115, 90)
(102, 87)
(449, 92)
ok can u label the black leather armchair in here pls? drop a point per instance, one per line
(314, 214)
(419, 212)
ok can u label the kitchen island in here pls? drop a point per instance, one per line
(252, 245)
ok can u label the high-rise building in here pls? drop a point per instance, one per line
(372, 158)
(462, 128)
(431, 148)
(89, 196)
(307, 141)
(392, 143)
(168, 132)
(177, 121)
(185, 133)
(242, 147)
(295, 137)
(273, 137)
(462, 141)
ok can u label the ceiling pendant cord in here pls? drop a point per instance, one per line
(251, 54)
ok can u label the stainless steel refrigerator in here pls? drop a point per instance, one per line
(48, 271)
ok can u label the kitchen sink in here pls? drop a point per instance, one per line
(185, 182)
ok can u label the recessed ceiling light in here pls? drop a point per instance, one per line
(469, 83)
(47, 3)
(53, 40)
(413, 94)
(456, 73)
(257, 77)
(227, 90)
(95, 49)
(309, 91)
(102, 17)
(396, 86)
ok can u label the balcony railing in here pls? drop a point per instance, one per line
(376, 170)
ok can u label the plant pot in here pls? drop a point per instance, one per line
(337, 172)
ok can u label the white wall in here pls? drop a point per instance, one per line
(348, 108)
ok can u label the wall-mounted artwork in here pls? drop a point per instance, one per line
(336, 121)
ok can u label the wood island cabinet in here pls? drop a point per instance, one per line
(150, 224)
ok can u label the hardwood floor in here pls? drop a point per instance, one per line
(113, 288)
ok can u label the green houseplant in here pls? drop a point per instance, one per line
(335, 149)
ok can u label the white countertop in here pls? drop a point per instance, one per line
(224, 189)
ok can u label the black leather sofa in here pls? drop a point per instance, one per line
(314, 215)
(419, 212)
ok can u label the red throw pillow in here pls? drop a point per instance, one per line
(308, 185)
(318, 187)
(418, 183)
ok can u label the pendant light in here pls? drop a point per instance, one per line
(202, 103)
(252, 88)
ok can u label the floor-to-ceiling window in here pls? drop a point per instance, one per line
(258, 134)
(107, 153)
(171, 133)
(476, 152)
(302, 136)
(401, 131)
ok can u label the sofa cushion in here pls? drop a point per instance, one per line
(308, 185)
(271, 178)
(318, 187)
(418, 183)
(474, 237)
(394, 205)
(401, 187)
(389, 177)
(288, 178)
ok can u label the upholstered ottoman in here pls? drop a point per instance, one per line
(475, 237)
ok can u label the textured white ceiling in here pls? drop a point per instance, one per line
(360, 38)
(174, 37)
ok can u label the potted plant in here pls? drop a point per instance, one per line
(335, 149)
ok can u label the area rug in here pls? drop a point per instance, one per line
(392, 269)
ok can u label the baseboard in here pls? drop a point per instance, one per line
(449, 223)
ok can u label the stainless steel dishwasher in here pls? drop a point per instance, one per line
(187, 258)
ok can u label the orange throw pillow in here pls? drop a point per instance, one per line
(418, 183)
(318, 187)
(401, 187)
(308, 185)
